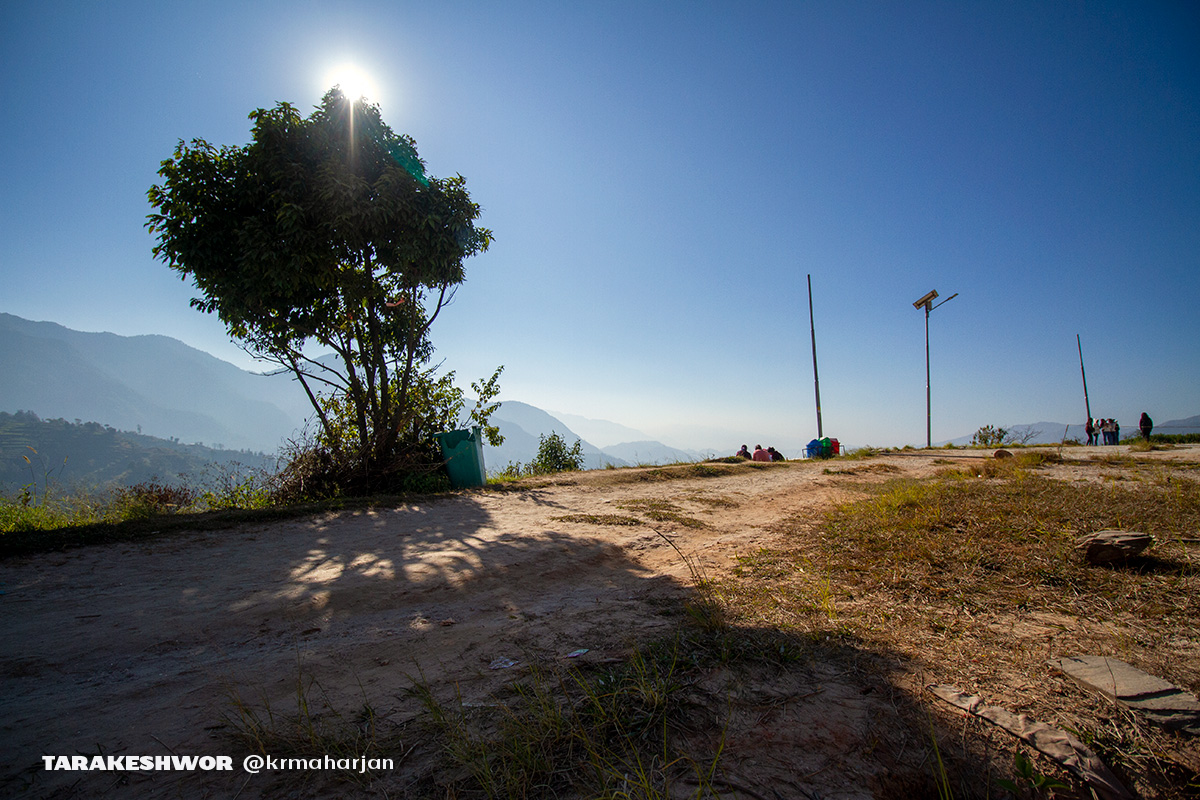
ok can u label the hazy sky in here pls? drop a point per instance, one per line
(661, 177)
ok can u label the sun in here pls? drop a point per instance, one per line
(354, 82)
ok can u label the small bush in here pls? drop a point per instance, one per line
(553, 456)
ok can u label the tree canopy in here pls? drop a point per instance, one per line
(325, 229)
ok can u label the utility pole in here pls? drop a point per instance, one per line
(816, 380)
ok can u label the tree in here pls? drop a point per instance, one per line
(326, 230)
(990, 436)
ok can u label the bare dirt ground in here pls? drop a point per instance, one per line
(132, 649)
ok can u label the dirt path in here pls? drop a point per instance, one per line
(134, 649)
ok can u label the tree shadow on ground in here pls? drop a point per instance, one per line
(744, 712)
(147, 646)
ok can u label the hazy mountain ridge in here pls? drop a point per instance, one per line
(601, 432)
(522, 425)
(652, 452)
(164, 388)
(153, 383)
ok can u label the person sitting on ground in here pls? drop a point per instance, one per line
(775, 454)
(743, 453)
(760, 454)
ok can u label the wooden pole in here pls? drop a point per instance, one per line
(816, 380)
(1086, 403)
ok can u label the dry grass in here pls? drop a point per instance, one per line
(663, 511)
(660, 474)
(651, 511)
(866, 469)
(973, 579)
(599, 519)
(714, 502)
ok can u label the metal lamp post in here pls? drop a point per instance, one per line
(926, 302)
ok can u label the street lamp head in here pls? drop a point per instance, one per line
(927, 299)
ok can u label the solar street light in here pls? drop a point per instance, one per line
(926, 302)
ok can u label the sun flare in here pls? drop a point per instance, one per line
(354, 82)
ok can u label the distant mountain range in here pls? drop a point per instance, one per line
(150, 384)
(160, 387)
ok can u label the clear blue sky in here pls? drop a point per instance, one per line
(661, 177)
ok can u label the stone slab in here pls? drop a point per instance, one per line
(1157, 700)
(1108, 547)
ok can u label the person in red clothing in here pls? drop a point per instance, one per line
(760, 454)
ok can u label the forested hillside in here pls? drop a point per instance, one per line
(87, 454)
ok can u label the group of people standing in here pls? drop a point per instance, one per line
(759, 454)
(1110, 429)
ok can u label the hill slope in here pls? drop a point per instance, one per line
(153, 383)
(90, 455)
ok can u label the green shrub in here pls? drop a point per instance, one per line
(553, 455)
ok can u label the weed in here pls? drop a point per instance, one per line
(940, 777)
(827, 604)
(607, 734)
(1029, 780)
(317, 728)
(21, 516)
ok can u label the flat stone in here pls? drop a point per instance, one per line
(1107, 547)
(1157, 700)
